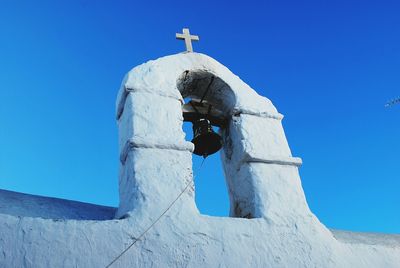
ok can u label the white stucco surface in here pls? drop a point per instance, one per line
(271, 224)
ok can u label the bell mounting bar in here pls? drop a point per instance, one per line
(195, 110)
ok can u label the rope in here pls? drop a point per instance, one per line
(208, 87)
(151, 225)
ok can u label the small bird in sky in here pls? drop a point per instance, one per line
(392, 102)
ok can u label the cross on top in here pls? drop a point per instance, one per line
(188, 39)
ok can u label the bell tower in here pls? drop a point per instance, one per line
(156, 161)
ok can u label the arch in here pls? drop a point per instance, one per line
(150, 127)
(206, 93)
(204, 84)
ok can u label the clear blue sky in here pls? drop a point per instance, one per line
(328, 66)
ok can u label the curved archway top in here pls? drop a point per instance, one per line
(160, 77)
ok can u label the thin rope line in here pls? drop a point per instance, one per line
(165, 211)
(208, 87)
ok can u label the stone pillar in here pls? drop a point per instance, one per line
(261, 174)
(155, 159)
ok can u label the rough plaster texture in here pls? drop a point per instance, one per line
(271, 223)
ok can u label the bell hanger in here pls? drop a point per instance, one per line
(206, 141)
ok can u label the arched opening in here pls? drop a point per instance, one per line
(208, 97)
(211, 194)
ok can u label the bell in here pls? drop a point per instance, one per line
(206, 141)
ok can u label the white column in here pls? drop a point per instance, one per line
(155, 159)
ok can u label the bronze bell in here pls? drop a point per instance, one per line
(206, 141)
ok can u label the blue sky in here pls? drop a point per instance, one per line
(328, 66)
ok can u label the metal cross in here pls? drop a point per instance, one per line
(188, 39)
